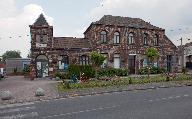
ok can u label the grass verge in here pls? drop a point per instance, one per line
(123, 81)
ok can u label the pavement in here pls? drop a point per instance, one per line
(23, 89)
(162, 103)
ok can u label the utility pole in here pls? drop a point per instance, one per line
(182, 53)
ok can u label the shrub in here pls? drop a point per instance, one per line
(112, 72)
(88, 71)
(62, 75)
(153, 70)
(76, 69)
(15, 70)
(26, 70)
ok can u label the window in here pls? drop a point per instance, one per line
(116, 38)
(131, 38)
(145, 42)
(41, 39)
(84, 60)
(155, 40)
(103, 36)
(63, 62)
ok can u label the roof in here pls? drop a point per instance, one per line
(167, 39)
(21, 59)
(41, 21)
(70, 42)
(125, 21)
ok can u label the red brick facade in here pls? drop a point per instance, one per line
(99, 36)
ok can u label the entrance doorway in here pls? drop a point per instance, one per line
(169, 63)
(131, 64)
(117, 61)
(42, 66)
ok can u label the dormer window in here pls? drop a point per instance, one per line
(116, 38)
(145, 39)
(103, 36)
(130, 38)
(156, 40)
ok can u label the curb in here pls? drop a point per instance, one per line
(122, 90)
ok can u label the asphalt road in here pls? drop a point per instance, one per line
(164, 103)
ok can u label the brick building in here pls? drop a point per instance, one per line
(123, 40)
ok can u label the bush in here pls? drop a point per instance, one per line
(86, 69)
(15, 70)
(153, 70)
(113, 72)
(26, 70)
(62, 75)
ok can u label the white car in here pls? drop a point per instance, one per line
(2, 73)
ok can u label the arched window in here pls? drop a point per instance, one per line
(145, 39)
(103, 36)
(155, 40)
(116, 38)
(84, 60)
(130, 38)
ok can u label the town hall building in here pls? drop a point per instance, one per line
(122, 40)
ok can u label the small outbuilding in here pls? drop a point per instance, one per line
(16, 64)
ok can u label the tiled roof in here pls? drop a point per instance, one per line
(70, 42)
(41, 21)
(125, 21)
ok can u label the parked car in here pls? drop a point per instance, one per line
(2, 74)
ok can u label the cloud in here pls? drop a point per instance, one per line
(15, 25)
(168, 14)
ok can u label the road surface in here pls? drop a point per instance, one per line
(163, 103)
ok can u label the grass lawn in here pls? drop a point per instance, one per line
(121, 81)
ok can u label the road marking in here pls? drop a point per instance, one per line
(21, 116)
(186, 95)
(164, 98)
(78, 112)
(178, 96)
(170, 97)
(16, 110)
(16, 105)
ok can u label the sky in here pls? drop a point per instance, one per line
(72, 17)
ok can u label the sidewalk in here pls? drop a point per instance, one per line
(23, 89)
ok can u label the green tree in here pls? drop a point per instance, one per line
(151, 54)
(97, 60)
(11, 54)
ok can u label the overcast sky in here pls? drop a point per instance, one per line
(72, 17)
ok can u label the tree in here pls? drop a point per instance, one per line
(11, 54)
(151, 54)
(97, 60)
